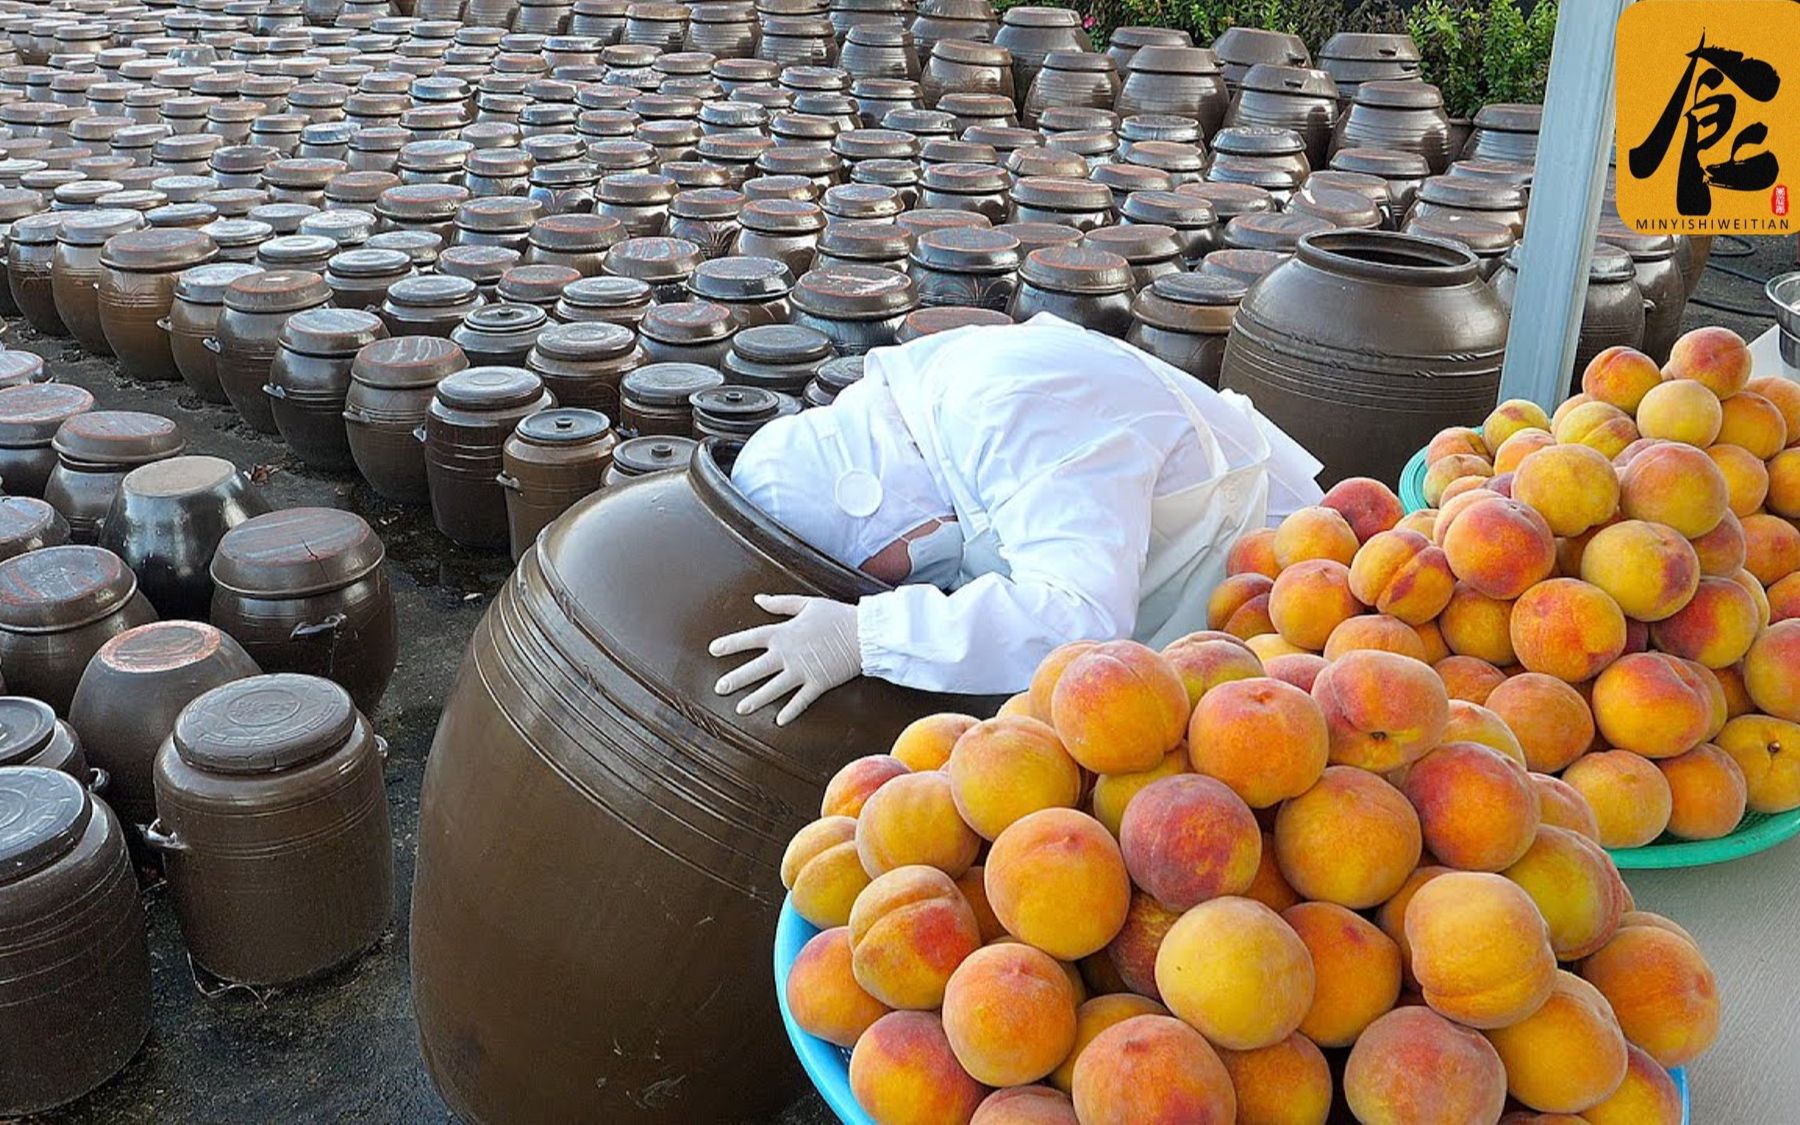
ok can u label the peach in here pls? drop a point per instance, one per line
(1649, 703)
(1501, 547)
(1189, 838)
(1455, 441)
(1093, 1017)
(1676, 485)
(1519, 446)
(1049, 673)
(1152, 1070)
(1629, 795)
(1722, 551)
(1009, 1014)
(1567, 628)
(1057, 881)
(1016, 706)
(909, 930)
(1477, 809)
(1025, 1105)
(1403, 574)
(1377, 632)
(1396, 1072)
(1785, 394)
(851, 785)
(1647, 1096)
(1631, 451)
(1119, 707)
(1431, 639)
(1715, 357)
(1509, 418)
(1661, 989)
(1783, 495)
(1561, 805)
(1450, 510)
(1314, 533)
(822, 872)
(1232, 969)
(1649, 569)
(1658, 921)
(1205, 664)
(1567, 1055)
(1707, 791)
(1771, 548)
(1471, 722)
(1267, 646)
(1133, 950)
(973, 885)
(1309, 600)
(1356, 968)
(1737, 697)
(1715, 628)
(1469, 678)
(1421, 521)
(1746, 478)
(1302, 668)
(1573, 402)
(1369, 506)
(1576, 888)
(1480, 950)
(903, 1072)
(1772, 670)
(1270, 887)
(1264, 739)
(1447, 471)
(1784, 599)
(1113, 792)
(1382, 710)
(1473, 482)
(1002, 769)
(1232, 594)
(1351, 839)
(925, 743)
(1285, 1083)
(1621, 376)
(1767, 749)
(1391, 916)
(822, 992)
(1551, 719)
(1681, 410)
(1572, 486)
(1249, 620)
(1253, 553)
(913, 819)
(1598, 425)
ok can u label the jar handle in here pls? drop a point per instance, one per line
(419, 434)
(210, 343)
(162, 322)
(381, 747)
(318, 628)
(352, 415)
(163, 841)
(98, 780)
(508, 482)
(273, 391)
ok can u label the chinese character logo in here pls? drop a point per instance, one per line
(1706, 119)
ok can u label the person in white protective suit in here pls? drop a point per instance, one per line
(1019, 487)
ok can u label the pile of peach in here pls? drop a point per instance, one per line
(1197, 887)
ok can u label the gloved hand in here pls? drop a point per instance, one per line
(814, 651)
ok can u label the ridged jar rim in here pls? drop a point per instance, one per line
(1392, 257)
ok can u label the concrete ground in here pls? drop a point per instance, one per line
(344, 1048)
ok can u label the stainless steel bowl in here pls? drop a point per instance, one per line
(1784, 294)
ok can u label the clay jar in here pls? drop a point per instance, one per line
(1490, 242)
(581, 363)
(29, 524)
(737, 412)
(361, 278)
(966, 266)
(641, 456)
(74, 967)
(392, 382)
(1414, 339)
(499, 335)
(577, 241)
(957, 66)
(959, 186)
(195, 305)
(166, 521)
(1241, 48)
(429, 305)
(777, 357)
(553, 458)
(139, 271)
(1612, 311)
(654, 399)
(29, 419)
(687, 332)
(309, 382)
(1069, 79)
(1404, 116)
(94, 451)
(57, 607)
(1082, 204)
(1494, 201)
(18, 369)
(859, 308)
(131, 692)
(75, 270)
(304, 590)
(786, 230)
(1091, 288)
(1505, 131)
(708, 218)
(1032, 33)
(256, 306)
(664, 264)
(1403, 172)
(273, 824)
(1290, 97)
(30, 253)
(1178, 82)
(1183, 319)
(1660, 279)
(1269, 157)
(1191, 218)
(471, 417)
(32, 735)
(1353, 58)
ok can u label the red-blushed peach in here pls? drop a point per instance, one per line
(1501, 547)
(1431, 639)
(1351, 839)
(1390, 916)
(1285, 1083)
(1771, 547)
(1519, 446)
(1314, 533)
(1396, 1073)
(1133, 950)
(1251, 619)
(1715, 357)
(1625, 455)
(1620, 376)
(1567, 1055)
(1648, 568)
(1421, 521)
(909, 930)
(1114, 791)
(1253, 553)
(1189, 838)
(1480, 950)
(1783, 496)
(1767, 749)
(1152, 1070)
(1648, 703)
(1576, 888)
(1499, 482)
(1784, 599)
(822, 871)
(1567, 628)
(904, 1073)
(1301, 669)
(1446, 472)
(822, 992)
(973, 885)
(925, 743)
(1722, 551)
(1647, 1096)
(1454, 441)
(1309, 600)
(1707, 793)
(1451, 510)
(1737, 696)
(1382, 711)
(1754, 423)
(913, 819)
(1551, 720)
(1270, 887)
(1057, 881)
(1772, 670)
(1367, 505)
(1471, 722)
(1356, 969)
(1098, 974)
(1629, 796)
(1049, 672)
(1785, 394)
(1572, 486)
(1476, 807)
(1676, 485)
(1378, 632)
(1264, 739)
(1661, 989)
(1746, 478)
(1715, 628)
(1009, 1014)
(1402, 573)
(1026, 1105)
(1469, 678)
(1231, 595)
(1119, 707)
(851, 785)
(1598, 425)
(1681, 410)
(1567, 405)
(1509, 418)
(1705, 681)
(1002, 769)
(1205, 664)
(1561, 805)
(1232, 969)
(1093, 1017)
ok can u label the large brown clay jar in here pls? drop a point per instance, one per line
(309, 382)
(138, 277)
(1407, 116)
(256, 306)
(1030, 33)
(553, 458)
(1178, 82)
(167, 519)
(470, 419)
(392, 382)
(94, 452)
(194, 310)
(1290, 97)
(75, 270)
(57, 607)
(29, 419)
(30, 253)
(1613, 310)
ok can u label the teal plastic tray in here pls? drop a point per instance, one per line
(1757, 832)
(1412, 483)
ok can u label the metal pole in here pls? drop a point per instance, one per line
(1576, 134)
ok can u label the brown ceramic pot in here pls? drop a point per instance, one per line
(195, 305)
(1071, 78)
(138, 277)
(1659, 277)
(1613, 309)
(1353, 58)
(1240, 48)
(309, 382)
(57, 607)
(966, 266)
(167, 519)
(30, 252)
(392, 382)
(1031, 33)
(654, 399)
(94, 452)
(553, 458)
(1405, 116)
(29, 524)
(249, 333)
(858, 308)
(1505, 131)
(581, 363)
(75, 270)
(471, 417)
(29, 419)
(1083, 286)
(32, 735)
(1176, 81)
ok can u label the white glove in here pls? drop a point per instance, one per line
(813, 652)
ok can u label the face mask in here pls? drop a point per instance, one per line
(936, 556)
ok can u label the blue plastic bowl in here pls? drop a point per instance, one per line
(828, 1065)
(1412, 483)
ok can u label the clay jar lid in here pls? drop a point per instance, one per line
(868, 241)
(303, 173)
(577, 234)
(707, 203)
(1231, 200)
(424, 203)
(1067, 196)
(296, 552)
(1370, 46)
(118, 438)
(490, 388)
(363, 262)
(967, 179)
(43, 815)
(1292, 81)
(782, 345)
(296, 251)
(32, 414)
(19, 368)
(93, 228)
(26, 727)
(1279, 231)
(853, 292)
(863, 202)
(16, 203)
(1500, 171)
(1170, 208)
(1139, 242)
(1469, 194)
(607, 293)
(1642, 247)
(586, 341)
(875, 144)
(1388, 163)
(27, 524)
(668, 384)
(1487, 238)
(1036, 236)
(736, 407)
(747, 278)
(430, 291)
(1610, 264)
(331, 331)
(1510, 117)
(273, 291)
(1339, 208)
(503, 325)
(1190, 302)
(1077, 119)
(782, 216)
(939, 150)
(640, 189)
(1127, 179)
(264, 724)
(1258, 140)
(563, 426)
(640, 456)
(1077, 269)
(37, 230)
(157, 250)
(58, 588)
(1249, 45)
(498, 162)
(968, 250)
(536, 285)
(405, 362)
(1399, 94)
(1030, 16)
(1168, 156)
(499, 213)
(653, 259)
(929, 322)
(687, 323)
(1160, 59)
(238, 232)
(780, 187)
